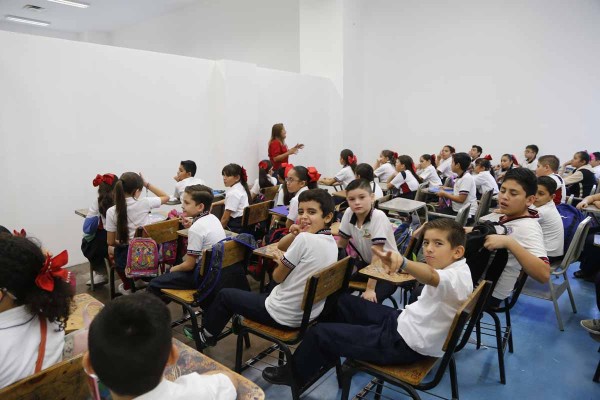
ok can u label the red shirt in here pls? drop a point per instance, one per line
(276, 148)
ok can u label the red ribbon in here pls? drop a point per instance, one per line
(263, 165)
(488, 157)
(313, 174)
(395, 155)
(20, 234)
(514, 160)
(286, 169)
(106, 178)
(352, 159)
(51, 269)
(244, 175)
(412, 166)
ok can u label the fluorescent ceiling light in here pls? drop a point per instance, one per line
(71, 3)
(27, 20)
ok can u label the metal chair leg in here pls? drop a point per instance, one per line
(500, 347)
(238, 353)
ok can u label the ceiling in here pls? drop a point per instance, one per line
(102, 15)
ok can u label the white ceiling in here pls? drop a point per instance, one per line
(102, 15)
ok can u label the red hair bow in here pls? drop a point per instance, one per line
(395, 155)
(20, 234)
(263, 165)
(51, 269)
(286, 169)
(244, 175)
(313, 174)
(106, 178)
(414, 169)
(488, 157)
(514, 160)
(352, 159)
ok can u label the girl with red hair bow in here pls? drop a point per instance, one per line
(298, 180)
(406, 182)
(348, 161)
(264, 180)
(237, 196)
(385, 166)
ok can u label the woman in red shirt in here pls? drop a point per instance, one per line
(278, 151)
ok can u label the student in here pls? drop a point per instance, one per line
(283, 196)
(345, 175)
(185, 177)
(549, 218)
(595, 163)
(35, 302)
(464, 191)
(298, 180)
(205, 231)
(386, 336)
(365, 171)
(589, 265)
(130, 212)
(93, 244)
(237, 196)
(427, 170)
(507, 162)
(524, 239)
(385, 166)
(475, 153)
(548, 166)
(265, 178)
(130, 345)
(484, 178)
(580, 182)
(406, 182)
(367, 227)
(531, 153)
(445, 162)
(309, 248)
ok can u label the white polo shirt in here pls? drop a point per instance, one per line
(255, 190)
(530, 165)
(425, 323)
(385, 171)
(236, 199)
(552, 229)
(345, 176)
(430, 176)
(484, 181)
(597, 171)
(94, 211)
(193, 387)
(204, 232)
(293, 211)
(377, 191)
(406, 182)
(465, 185)
(137, 214)
(308, 254)
(20, 341)
(375, 230)
(445, 168)
(182, 184)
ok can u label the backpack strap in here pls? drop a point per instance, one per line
(42, 347)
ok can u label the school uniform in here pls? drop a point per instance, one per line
(406, 183)
(182, 184)
(530, 165)
(20, 337)
(377, 191)
(560, 195)
(528, 233)
(445, 168)
(484, 181)
(382, 335)
(293, 211)
(345, 176)
(430, 176)
(465, 185)
(552, 228)
(93, 244)
(193, 387)
(280, 199)
(384, 172)
(255, 189)
(236, 199)
(580, 182)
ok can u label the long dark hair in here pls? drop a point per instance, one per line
(263, 174)
(391, 156)
(127, 184)
(409, 166)
(430, 158)
(105, 195)
(236, 170)
(349, 159)
(302, 173)
(20, 263)
(276, 133)
(513, 161)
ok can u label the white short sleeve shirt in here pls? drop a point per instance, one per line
(376, 230)
(530, 165)
(430, 176)
(193, 387)
(345, 176)
(255, 189)
(445, 168)
(137, 214)
(182, 184)
(293, 211)
(406, 182)
(465, 185)
(385, 172)
(484, 181)
(236, 199)
(552, 229)
(204, 232)
(94, 211)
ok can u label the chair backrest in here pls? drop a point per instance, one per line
(420, 196)
(65, 380)
(217, 209)
(570, 200)
(382, 200)
(256, 213)
(577, 243)
(484, 205)
(161, 232)
(448, 182)
(233, 253)
(270, 192)
(463, 215)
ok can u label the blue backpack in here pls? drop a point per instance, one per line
(571, 217)
(403, 233)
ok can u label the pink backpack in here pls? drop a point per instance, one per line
(142, 258)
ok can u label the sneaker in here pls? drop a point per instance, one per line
(206, 341)
(124, 291)
(140, 284)
(591, 325)
(99, 279)
(277, 375)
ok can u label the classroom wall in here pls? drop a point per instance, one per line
(70, 110)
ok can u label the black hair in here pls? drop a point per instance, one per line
(359, 183)
(129, 343)
(236, 170)
(534, 148)
(287, 196)
(524, 177)
(452, 149)
(4, 230)
(478, 148)
(320, 196)
(548, 183)
(391, 156)
(512, 161)
(456, 233)
(365, 171)
(201, 194)
(106, 198)
(189, 166)
(596, 155)
(486, 164)
(409, 166)
(127, 184)
(430, 158)
(463, 160)
(550, 160)
(21, 260)
(302, 173)
(348, 157)
(263, 174)
(583, 156)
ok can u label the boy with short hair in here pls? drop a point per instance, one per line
(309, 248)
(531, 153)
(548, 166)
(185, 177)
(550, 220)
(375, 333)
(465, 190)
(129, 346)
(581, 181)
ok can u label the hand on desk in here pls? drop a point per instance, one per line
(391, 261)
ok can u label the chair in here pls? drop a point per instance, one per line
(270, 193)
(65, 380)
(328, 282)
(218, 208)
(234, 253)
(410, 377)
(255, 214)
(420, 195)
(461, 217)
(382, 200)
(552, 291)
(484, 205)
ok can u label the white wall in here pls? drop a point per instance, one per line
(36, 30)
(499, 74)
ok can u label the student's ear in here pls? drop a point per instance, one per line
(200, 207)
(173, 355)
(372, 197)
(529, 200)
(87, 364)
(328, 218)
(458, 252)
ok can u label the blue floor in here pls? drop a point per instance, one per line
(546, 364)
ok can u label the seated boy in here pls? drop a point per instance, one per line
(580, 182)
(531, 161)
(205, 231)
(129, 346)
(465, 190)
(185, 177)
(524, 239)
(548, 166)
(550, 220)
(383, 335)
(309, 248)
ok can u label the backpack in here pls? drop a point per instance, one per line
(142, 258)
(483, 263)
(404, 231)
(571, 217)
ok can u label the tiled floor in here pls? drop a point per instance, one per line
(546, 364)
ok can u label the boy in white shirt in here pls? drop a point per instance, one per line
(130, 344)
(531, 161)
(464, 191)
(185, 177)
(548, 166)
(375, 333)
(550, 220)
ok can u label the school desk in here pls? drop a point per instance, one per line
(376, 271)
(268, 255)
(405, 206)
(280, 211)
(79, 304)
(436, 190)
(340, 194)
(184, 233)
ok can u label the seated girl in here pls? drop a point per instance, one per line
(406, 182)
(346, 175)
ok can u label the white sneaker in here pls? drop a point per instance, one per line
(99, 279)
(124, 291)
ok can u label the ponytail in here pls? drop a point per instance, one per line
(349, 158)
(430, 158)
(236, 170)
(409, 166)
(391, 156)
(128, 184)
(263, 174)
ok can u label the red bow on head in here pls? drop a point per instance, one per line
(352, 159)
(286, 169)
(488, 157)
(395, 155)
(244, 175)
(51, 269)
(412, 166)
(313, 174)
(514, 160)
(20, 234)
(263, 165)
(106, 178)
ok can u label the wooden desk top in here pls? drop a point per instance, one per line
(270, 251)
(376, 271)
(341, 194)
(184, 233)
(80, 301)
(82, 212)
(402, 205)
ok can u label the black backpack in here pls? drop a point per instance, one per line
(483, 263)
